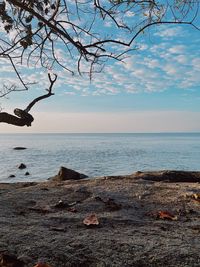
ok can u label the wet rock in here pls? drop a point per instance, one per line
(11, 176)
(27, 173)
(22, 166)
(68, 174)
(170, 176)
(19, 148)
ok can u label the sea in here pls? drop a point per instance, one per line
(96, 154)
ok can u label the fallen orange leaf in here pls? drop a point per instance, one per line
(91, 220)
(42, 265)
(165, 215)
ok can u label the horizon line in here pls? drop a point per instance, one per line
(170, 132)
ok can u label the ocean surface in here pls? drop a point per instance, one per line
(96, 154)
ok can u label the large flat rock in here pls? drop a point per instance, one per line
(44, 221)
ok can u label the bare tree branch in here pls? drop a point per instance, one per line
(23, 117)
(49, 93)
(35, 30)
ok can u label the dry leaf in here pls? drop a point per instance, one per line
(91, 220)
(165, 215)
(39, 209)
(196, 196)
(74, 210)
(42, 265)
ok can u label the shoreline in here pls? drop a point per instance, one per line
(34, 227)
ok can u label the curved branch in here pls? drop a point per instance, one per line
(52, 81)
(14, 120)
(23, 117)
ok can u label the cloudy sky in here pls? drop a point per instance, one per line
(155, 89)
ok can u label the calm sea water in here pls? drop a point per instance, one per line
(96, 154)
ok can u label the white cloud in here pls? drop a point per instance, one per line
(182, 59)
(177, 49)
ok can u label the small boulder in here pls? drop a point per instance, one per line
(19, 148)
(10, 260)
(22, 166)
(68, 174)
(11, 176)
(27, 173)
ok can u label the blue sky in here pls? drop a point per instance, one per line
(155, 89)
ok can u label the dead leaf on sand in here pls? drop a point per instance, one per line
(42, 265)
(166, 215)
(163, 215)
(41, 209)
(72, 209)
(196, 196)
(91, 220)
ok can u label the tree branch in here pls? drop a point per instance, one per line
(23, 117)
(49, 93)
(14, 120)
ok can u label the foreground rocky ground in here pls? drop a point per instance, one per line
(141, 222)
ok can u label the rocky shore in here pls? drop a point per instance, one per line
(144, 219)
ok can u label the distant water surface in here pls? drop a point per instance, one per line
(96, 154)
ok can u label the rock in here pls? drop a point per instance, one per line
(19, 148)
(9, 260)
(22, 166)
(27, 173)
(11, 176)
(68, 174)
(170, 176)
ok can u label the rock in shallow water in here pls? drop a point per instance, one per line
(68, 174)
(22, 166)
(19, 148)
(11, 176)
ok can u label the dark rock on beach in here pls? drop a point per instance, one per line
(22, 166)
(9, 260)
(68, 174)
(19, 148)
(27, 173)
(170, 176)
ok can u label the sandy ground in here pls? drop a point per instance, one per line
(141, 223)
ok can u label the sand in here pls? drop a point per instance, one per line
(43, 222)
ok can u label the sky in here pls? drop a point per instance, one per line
(155, 89)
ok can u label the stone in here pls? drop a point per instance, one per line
(9, 260)
(68, 174)
(19, 148)
(27, 173)
(11, 176)
(22, 166)
(173, 176)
